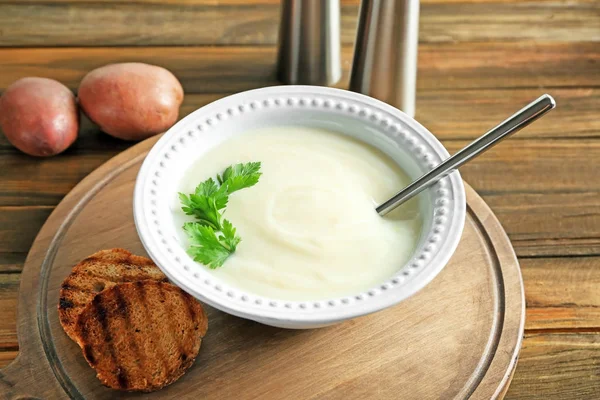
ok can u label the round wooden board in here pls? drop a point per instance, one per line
(457, 338)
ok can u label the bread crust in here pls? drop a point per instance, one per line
(102, 270)
(141, 336)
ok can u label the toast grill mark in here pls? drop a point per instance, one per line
(123, 310)
(65, 304)
(100, 313)
(87, 349)
(121, 305)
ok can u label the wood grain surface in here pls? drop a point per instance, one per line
(479, 60)
(462, 333)
(167, 24)
(234, 68)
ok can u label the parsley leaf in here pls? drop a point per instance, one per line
(209, 189)
(205, 246)
(206, 202)
(203, 208)
(229, 238)
(240, 176)
(213, 239)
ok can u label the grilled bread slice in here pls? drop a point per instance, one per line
(141, 336)
(99, 271)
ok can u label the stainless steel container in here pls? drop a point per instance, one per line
(385, 54)
(309, 42)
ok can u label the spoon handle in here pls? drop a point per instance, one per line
(516, 122)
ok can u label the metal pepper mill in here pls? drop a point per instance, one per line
(309, 42)
(385, 54)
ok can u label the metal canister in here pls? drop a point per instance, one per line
(385, 54)
(309, 42)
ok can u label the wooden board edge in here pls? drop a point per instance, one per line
(513, 326)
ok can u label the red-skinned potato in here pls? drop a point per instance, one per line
(39, 116)
(131, 101)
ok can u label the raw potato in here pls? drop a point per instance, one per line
(131, 101)
(39, 116)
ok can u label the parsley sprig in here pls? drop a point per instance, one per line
(212, 238)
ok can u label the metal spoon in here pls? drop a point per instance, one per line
(516, 122)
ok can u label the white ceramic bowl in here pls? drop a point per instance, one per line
(412, 146)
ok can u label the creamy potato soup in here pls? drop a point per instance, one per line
(309, 228)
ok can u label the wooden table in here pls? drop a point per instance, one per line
(479, 60)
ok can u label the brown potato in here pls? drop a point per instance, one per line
(39, 116)
(131, 101)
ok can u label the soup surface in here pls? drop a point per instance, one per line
(309, 228)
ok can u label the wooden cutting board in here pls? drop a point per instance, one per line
(457, 338)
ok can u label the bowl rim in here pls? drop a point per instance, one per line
(328, 310)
